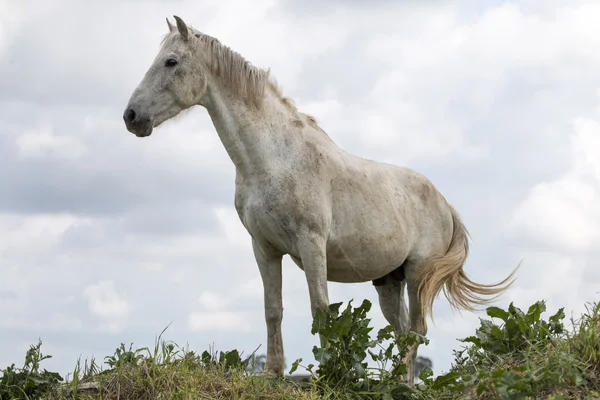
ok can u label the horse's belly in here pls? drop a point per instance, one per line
(349, 271)
(356, 262)
(360, 264)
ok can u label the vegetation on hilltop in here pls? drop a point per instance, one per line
(512, 355)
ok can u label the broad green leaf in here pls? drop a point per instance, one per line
(497, 312)
(295, 365)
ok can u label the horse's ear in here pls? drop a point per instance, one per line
(171, 27)
(182, 27)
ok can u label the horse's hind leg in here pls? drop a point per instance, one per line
(391, 301)
(416, 318)
(390, 289)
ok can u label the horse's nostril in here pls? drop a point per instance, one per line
(130, 115)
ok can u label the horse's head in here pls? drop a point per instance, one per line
(174, 82)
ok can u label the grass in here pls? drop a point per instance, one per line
(514, 354)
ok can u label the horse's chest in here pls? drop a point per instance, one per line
(270, 216)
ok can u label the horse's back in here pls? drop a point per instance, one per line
(387, 190)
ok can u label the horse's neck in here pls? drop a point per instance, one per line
(246, 133)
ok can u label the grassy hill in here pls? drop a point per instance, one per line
(514, 354)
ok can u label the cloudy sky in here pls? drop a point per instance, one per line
(107, 238)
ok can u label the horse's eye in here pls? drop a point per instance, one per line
(171, 62)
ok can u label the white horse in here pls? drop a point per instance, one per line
(340, 217)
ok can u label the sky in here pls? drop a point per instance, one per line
(106, 238)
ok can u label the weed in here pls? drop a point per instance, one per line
(343, 365)
(28, 382)
(523, 357)
(512, 355)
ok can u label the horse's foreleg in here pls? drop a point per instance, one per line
(269, 264)
(314, 260)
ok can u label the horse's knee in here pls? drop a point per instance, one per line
(273, 315)
(318, 304)
(419, 326)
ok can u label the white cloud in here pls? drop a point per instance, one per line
(55, 322)
(211, 301)
(232, 227)
(557, 225)
(494, 103)
(104, 301)
(564, 214)
(218, 321)
(450, 73)
(11, 16)
(219, 309)
(252, 289)
(44, 143)
(43, 231)
(561, 214)
(60, 321)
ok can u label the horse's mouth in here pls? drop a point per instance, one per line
(143, 129)
(144, 132)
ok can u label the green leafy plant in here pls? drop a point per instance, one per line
(343, 364)
(512, 355)
(521, 357)
(225, 359)
(518, 331)
(585, 341)
(123, 357)
(28, 382)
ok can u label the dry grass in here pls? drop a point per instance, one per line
(524, 356)
(179, 381)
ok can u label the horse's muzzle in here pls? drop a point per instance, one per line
(137, 123)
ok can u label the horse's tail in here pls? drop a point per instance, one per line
(447, 273)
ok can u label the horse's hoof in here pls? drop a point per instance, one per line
(270, 374)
